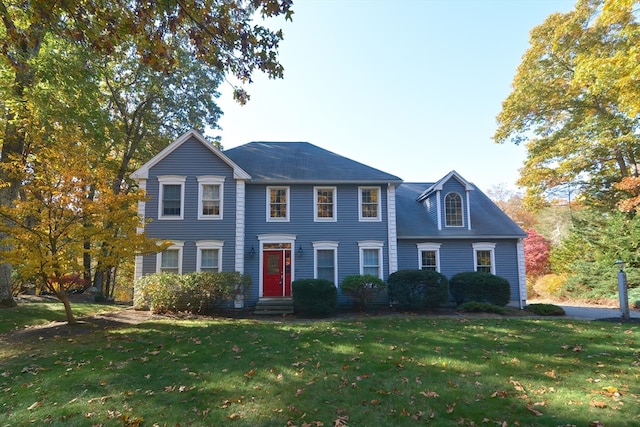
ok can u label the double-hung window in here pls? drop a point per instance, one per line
(171, 197)
(429, 256)
(326, 261)
(369, 201)
(209, 255)
(484, 257)
(371, 258)
(170, 260)
(277, 203)
(210, 200)
(324, 204)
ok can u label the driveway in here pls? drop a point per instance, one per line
(593, 313)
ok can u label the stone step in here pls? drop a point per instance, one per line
(274, 306)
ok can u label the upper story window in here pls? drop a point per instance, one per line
(277, 203)
(453, 210)
(325, 204)
(429, 256)
(210, 200)
(171, 197)
(484, 257)
(170, 260)
(209, 256)
(369, 200)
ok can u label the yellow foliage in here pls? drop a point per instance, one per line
(549, 285)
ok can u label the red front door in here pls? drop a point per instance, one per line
(276, 273)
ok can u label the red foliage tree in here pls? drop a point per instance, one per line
(536, 254)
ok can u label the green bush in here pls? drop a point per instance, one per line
(481, 307)
(545, 309)
(479, 287)
(193, 292)
(314, 297)
(363, 289)
(417, 289)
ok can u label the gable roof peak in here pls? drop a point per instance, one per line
(438, 185)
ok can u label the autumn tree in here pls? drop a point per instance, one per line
(536, 254)
(53, 217)
(574, 102)
(511, 203)
(216, 33)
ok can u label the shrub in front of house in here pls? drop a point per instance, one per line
(545, 309)
(479, 287)
(193, 292)
(418, 289)
(314, 297)
(363, 289)
(481, 307)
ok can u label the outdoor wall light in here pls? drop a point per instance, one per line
(300, 252)
(252, 252)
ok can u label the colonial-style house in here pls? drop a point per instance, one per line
(281, 211)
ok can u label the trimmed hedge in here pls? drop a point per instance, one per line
(479, 287)
(363, 289)
(545, 309)
(193, 292)
(314, 297)
(418, 289)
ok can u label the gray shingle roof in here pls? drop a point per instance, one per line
(487, 219)
(302, 162)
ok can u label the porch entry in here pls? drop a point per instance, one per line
(276, 270)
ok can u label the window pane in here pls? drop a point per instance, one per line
(371, 262)
(484, 261)
(278, 203)
(326, 269)
(211, 199)
(169, 261)
(325, 203)
(209, 259)
(171, 199)
(453, 210)
(429, 260)
(369, 203)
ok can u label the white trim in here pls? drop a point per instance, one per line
(240, 225)
(440, 184)
(288, 201)
(142, 206)
(208, 244)
(439, 209)
(392, 231)
(275, 238)
(484, 246)
(461, 210)
(522, 274)
(467, 193)
(325, 246)
(372, 244)
(429, 246)
(210, 180)
(334, 216)
(170, 180)
(175, 245)
(143, 171)
(378, 216)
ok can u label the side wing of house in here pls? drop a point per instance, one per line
(450, 226)
(195, 200)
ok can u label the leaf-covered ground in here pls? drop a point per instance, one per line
(358, 371)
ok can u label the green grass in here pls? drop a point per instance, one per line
(400, 371)
(40, 313)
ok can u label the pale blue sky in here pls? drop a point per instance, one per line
(411, 87)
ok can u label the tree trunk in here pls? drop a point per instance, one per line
(64, 298)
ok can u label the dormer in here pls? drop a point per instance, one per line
(448, 202)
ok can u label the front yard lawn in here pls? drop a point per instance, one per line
(376, 371)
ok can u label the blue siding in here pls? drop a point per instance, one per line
(192, 159)
(453, 185)
(457, 256)
(347, 230)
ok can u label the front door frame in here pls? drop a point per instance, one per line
(284, 239)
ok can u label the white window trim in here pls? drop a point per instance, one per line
(208, 244)
(175, 245)
(372, 244)
(484, 246)
(326, 246)
(269, 218)
(462, 210)
(170, 180)
(210, 180)
(427, 246)
(379, 213)
(334, 216)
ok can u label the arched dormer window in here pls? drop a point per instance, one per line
(453, 210)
